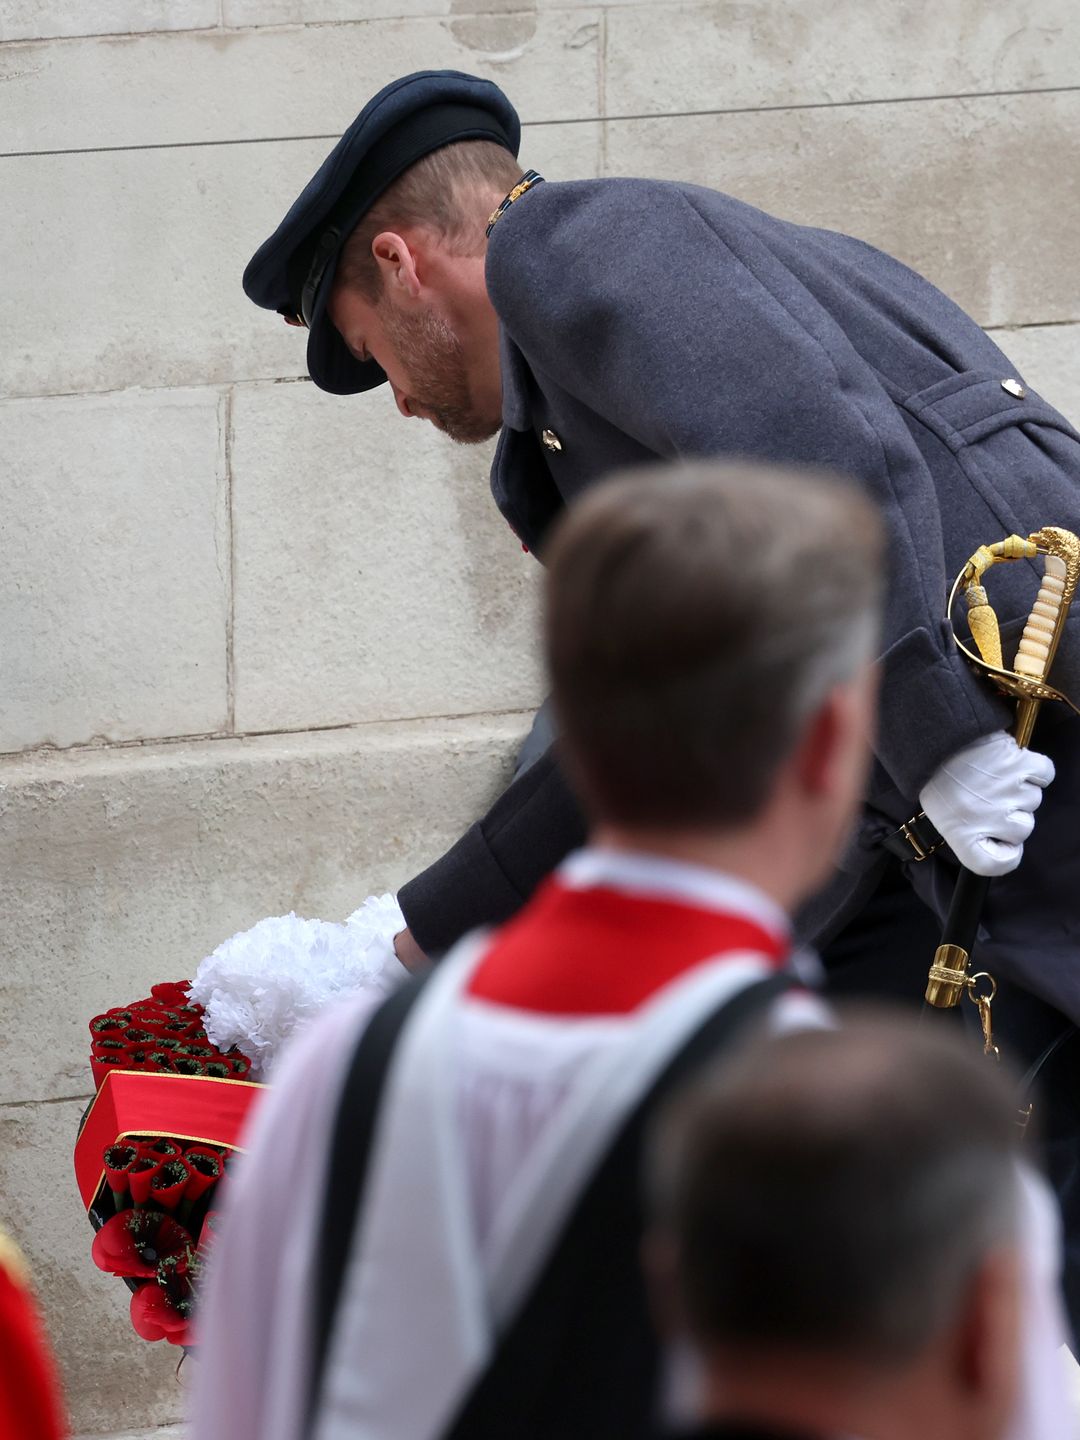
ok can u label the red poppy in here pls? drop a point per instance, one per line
(141, 1057)
(106, 1046)
(188, 1065)
(100, 1065)
(140, 1176)
(168, 1185)
(148, 1009)
(135, 1242)
(183, 1028)
(171, 993)
(206, 1169)
(108, 1024)
(155, 1026)
(118, 1161)
(162, 1148)
(154, 1317)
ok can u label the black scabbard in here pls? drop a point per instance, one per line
(965, 911)
(950, 973)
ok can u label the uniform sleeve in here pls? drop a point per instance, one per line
(697, 343)
(498, 862)
(254, 1335)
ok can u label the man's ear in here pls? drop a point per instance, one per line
(820, 750)
(986, 1355)
(397, 263)
(834, 751)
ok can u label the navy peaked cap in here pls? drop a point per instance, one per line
(293, 271)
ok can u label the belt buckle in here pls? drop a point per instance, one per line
(910, 834)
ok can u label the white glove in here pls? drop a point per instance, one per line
(983, 800)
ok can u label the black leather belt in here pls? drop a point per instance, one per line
(917, 839)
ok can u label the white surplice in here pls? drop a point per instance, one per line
(491, 1121)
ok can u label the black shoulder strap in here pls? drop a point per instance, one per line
(497, 1394)
(579, 1359)
(346, 1171)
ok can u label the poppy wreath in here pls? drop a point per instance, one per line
(154, 1204)
(163, 1034)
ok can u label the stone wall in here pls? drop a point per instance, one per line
(264, 649)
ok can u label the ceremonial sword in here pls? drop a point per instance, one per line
(950, 978)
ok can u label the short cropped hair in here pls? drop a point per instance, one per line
(696, 616)
(451, 191)
(834, 1191)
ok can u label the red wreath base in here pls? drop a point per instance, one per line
(154, 1230)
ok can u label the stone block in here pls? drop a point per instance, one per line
(48, 19)
(112, 1379)
(250, 13)
(114, 588)
(145, 253)
(160, 1432)
(681, 57)
(119, 868)
(257, 85)
(374, 577)
(144, 258)
(978, 195)
(1048, 358)
(563, 152)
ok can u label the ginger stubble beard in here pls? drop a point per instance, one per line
(432, 355)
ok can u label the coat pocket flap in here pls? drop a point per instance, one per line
(967, 407)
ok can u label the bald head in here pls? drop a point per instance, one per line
(834, 1191)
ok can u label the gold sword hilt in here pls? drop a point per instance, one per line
(949, 978)
(1043, 629)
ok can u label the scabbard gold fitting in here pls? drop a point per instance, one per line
(948, 978)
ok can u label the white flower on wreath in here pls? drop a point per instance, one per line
(262, 984)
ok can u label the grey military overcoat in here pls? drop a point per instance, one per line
(642, 319)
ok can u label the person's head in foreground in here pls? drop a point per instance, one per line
(836, 1216)
(710, 634)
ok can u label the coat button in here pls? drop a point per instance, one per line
(551, 440)
(1014, 388)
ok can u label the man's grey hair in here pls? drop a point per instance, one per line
(835, 1191)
